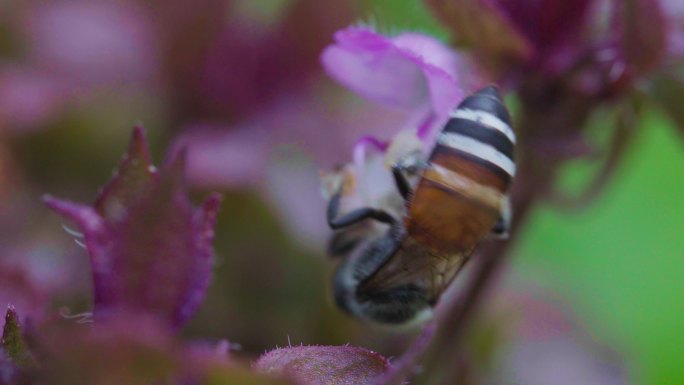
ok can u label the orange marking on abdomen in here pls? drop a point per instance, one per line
(446, 220)
(471, 168)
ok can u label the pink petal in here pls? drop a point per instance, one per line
(408, 71)
(92, 42)
(224, 158)
(29, 98)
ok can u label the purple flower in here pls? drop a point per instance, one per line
(409, 71)
(150, 250)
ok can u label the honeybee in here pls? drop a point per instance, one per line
(453, 200)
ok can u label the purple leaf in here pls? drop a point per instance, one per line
(640, 27)
(483, 26)
(331, 365)
(150, 249)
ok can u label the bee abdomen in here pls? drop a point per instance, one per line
(462, 191)
(479, 132)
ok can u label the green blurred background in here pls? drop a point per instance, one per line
(621, 260)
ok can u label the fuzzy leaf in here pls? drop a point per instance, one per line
(150, 248)
(479, 24)
(13, 342)
(641, 30)
(330, 365)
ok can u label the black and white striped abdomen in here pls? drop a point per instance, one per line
(479, 131)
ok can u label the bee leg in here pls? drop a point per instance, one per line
(411, 165)
(355, 216)
(500, 229)
(343, 242)
(402, 184)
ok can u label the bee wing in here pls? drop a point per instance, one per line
(415, 264)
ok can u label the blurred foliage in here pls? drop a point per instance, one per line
(620, 261)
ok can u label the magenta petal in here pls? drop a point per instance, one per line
(442, 69)
(333, 365)
(371, 66)
(408, 71)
